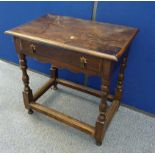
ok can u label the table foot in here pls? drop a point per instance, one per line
(98, 143)
(55, 88)
(54, 75)
(30, 111)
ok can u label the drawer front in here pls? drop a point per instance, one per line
(62, 58)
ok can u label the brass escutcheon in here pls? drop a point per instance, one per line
(33, 47)
(83, 62)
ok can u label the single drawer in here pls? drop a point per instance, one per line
(62, 58)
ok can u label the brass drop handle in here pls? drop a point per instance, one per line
(83, 62)
(33, 48)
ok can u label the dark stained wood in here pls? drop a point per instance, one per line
(111, 111)
(78, 35)
(27, 93)
(101, 120)
(43, 89)
(83, 89)
(80, 46)
(61, 58)
(119, 88)
(54, 75)
(64, 118)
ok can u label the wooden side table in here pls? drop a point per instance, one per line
(80, 46)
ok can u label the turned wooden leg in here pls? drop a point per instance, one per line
(54, 75)
(101, 120)
(119, 88)
(100, 123)
(27, 93)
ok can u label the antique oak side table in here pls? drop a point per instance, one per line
(80, 46)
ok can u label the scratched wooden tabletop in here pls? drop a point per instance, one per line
(77, 34)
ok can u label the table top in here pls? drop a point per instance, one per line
(95, 38)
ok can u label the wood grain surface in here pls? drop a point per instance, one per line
(100, 39)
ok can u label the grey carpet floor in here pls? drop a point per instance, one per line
(129, 131)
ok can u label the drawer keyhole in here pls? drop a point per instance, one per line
(83, 62)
